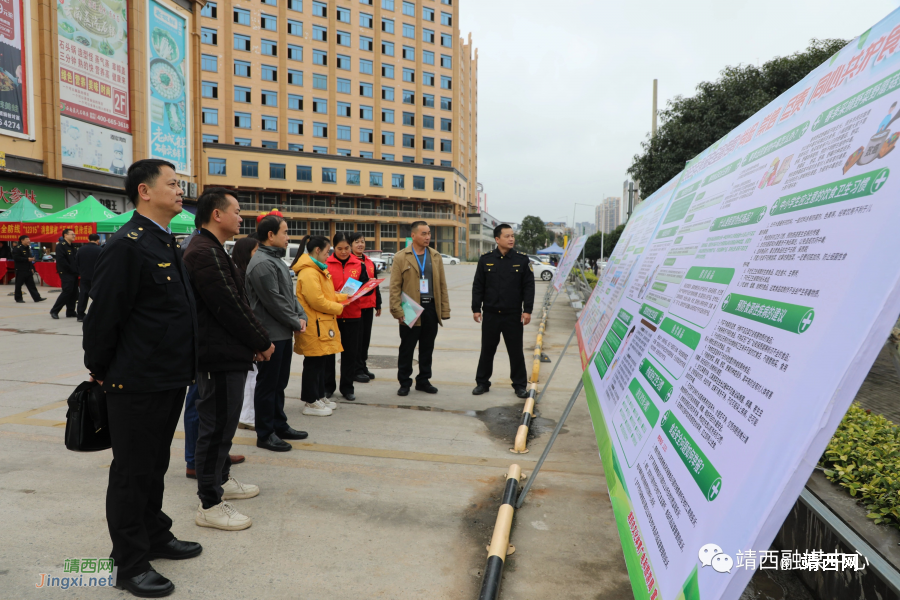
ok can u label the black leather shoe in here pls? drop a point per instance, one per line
(149, 584)
(521, 393)
(71, 316)
(80, 319)
(370, 374)
(329, 394)
(361, 378)
(273, 443)
(20, 301)
(351, 397)
(292, 434)
(40, 299)
(481, 389)
(176, 550)
(56, 316)
(427, 388)
(403, 391)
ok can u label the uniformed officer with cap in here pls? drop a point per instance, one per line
(502, 300)
(140, 343)
(25, 270)
(68, 275)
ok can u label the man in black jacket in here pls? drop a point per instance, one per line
(68, 275)
(231, 337)
(25, 270)
(504, 286)
(85, 260)
(140, 344)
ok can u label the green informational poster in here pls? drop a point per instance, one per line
(740, 312)
(48, 199)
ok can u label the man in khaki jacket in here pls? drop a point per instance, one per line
(418, 271)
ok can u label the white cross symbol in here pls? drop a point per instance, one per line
(714, 490)
(882, 177)
(807, 320)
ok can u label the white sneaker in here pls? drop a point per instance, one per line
(316, 409)
(329, 403)
(235, 490)
(222, 516)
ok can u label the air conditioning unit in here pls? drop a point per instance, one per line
(189, 189)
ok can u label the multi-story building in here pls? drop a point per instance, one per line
(481, 234)
(352, 115)
(608, 214)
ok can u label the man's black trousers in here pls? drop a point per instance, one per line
(271, 379)
(84, 290)
(349, 358)
(141, 428)
(423, 335)
(68, 296)
(26, 278)
(510, 326)
(365, 338)
(218, 407)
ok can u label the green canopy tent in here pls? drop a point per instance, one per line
(183, 223)
(12, 219)
(82, 218)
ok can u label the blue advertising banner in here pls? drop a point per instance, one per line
(167, 71)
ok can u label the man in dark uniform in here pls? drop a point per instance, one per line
(85, 260)
(503, 294)
(25, 270)
(68, 274)
(140, 344)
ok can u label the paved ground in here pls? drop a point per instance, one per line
(384, 501)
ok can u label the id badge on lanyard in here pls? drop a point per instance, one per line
(423, 286)
(423, 282)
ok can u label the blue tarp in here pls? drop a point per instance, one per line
(554, 249)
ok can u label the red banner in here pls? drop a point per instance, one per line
(51, 232)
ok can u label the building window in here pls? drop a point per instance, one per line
(388, 231)
(269, 22)
(210, 10)
(365, 113)
(295, 52)
(387, 93)
(387, 48)
(270, 123)
(276, 170)
(446, 40)
(269, 48)
(397, 181)
(428, 14)
(446, 103)
(428, 36)
(270, 2)
(343, 14)
(409, 140)
(446, 19)
(365, 66)
(364, 154)
(446, 145)
(387, 4)
(428, 79)
(366, 136)
(320, 9)
(295, 28)
(387, 71)
(210, 116)
(409, 53)
(427, 122)
(446, 125)
(318, 228)
(418, 182)
(446, 82)
(320, 34)
(387, 25)
(409, 97)
(295, 147)
(427, 143)
(343, 38)
(304, 173)
(343, 62)
(409, 119)
(241, 141)
(217, 166)
(427, 161)
(329, 175)
(366, 21)
(269, 73)
(387, 138)
(210, 89)
(295, 126)
(446, 61)
(249, 168)
(242, 121)
(409, 75)
(343, 132)
(365, 89)
(427, 57)
(343, 109)
(270, 145)
(344, 152)
(320, 57)
(296, 228)
(343, 86)
(428, 100)
(387, 115)
(241, 68)
(352, 177)
(387, 157)
(409, 9)
(320, 82)
(241, 16)
(366, 43)
(295, 102)
(209, 36)
(242, 42)
(446, 163)
(208, 138)
(320, 130)
(409, 31)
(296, 5)
(209, 63)
(409, 159)
(320, 150)
(320, 106)
(375, 179)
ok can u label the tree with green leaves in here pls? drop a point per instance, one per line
(611, 239)
(533, 234)
(688, 126)
(592, 248)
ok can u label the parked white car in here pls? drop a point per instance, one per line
(449, 260)
(542, 271)
(376, 257)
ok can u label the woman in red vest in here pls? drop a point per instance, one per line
(370, 307)
(343, 266)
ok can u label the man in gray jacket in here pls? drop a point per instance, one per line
(273, 300)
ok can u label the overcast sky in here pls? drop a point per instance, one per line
(565, 88)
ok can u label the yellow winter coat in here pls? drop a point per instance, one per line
(316, 294)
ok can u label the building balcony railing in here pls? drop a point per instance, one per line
(352, 212)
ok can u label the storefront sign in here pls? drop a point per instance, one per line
(91, 147)
(48, 199)
(117, 203)
(14, 84)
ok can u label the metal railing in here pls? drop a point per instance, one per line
(346, 211)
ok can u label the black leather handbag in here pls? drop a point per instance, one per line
(87, 424)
